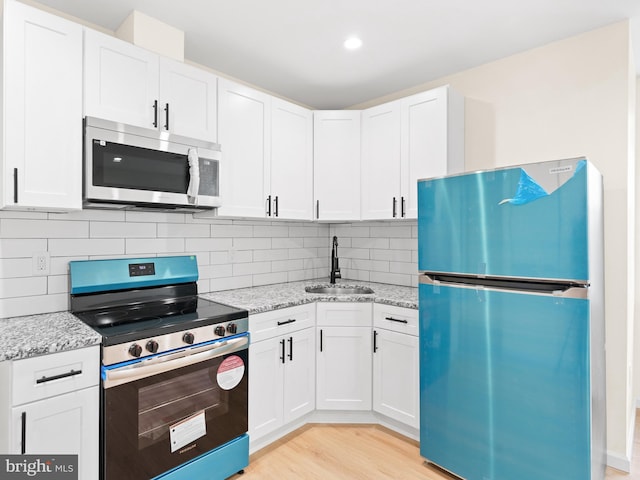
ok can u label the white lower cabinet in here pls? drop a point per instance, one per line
(282, 363)
(54, 405)
(343, 362)
(396, 371)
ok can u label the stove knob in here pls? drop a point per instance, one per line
(135, 350)
(152, 346)
(219, 330)
(232, 328)
(188, 338)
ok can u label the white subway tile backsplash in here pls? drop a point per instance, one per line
(15, 267)
(23, 287)
(101, 215)
(89, 246)
(251, 243)
(153, 246)
(231, 231)
(155, 217)
(271, 231)
(392, 255)
(18, 306)
(269, 278)
(380, 243)
(23, 228)
(57, 284)
(178, 230)
(122, 230)
(273, 254)
(229, 283)
(211, 244)
(251, 268)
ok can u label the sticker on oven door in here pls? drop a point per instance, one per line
(230, 372)
(187, 430)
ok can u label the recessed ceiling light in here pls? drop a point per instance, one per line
(352, 43)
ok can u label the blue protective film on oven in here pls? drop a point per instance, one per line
(91, 276)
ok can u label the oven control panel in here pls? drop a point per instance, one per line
(159, 344)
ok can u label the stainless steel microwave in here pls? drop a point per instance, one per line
(128, 166)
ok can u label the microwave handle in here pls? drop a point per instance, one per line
(194, 173)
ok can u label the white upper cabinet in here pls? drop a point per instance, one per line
(336, 164)
(403, 141)
(189, 100)
(42, 132)
(267, 155)
(290, 176)
(380, 163)
(244, 137)
(431, 142)
(128, 84)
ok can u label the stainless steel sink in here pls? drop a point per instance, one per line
(336, 290)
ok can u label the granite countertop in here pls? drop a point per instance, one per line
(24, 337)
(29, 336)
(282, 295)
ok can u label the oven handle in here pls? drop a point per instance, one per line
(165, 363)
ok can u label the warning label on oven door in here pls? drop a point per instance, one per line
(230, 372)
(187, 430)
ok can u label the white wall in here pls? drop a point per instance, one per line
(231, 253)
(566, 99)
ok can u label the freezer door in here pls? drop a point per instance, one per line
(504, 384)
(529, 221)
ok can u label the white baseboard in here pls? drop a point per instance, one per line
(618, 462)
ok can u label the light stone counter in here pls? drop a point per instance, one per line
(282, 295)
(23, 337)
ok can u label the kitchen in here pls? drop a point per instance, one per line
(536, 105)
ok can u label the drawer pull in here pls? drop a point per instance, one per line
(286, 322)
(58, 377)
(391, 319)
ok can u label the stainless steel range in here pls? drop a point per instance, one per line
(174, 369)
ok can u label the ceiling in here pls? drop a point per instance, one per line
(294, 49)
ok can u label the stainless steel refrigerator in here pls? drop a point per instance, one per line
(512, 359)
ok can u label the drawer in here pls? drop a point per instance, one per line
(281, 322)
(344, 314)
(396, 319)
(49, 375)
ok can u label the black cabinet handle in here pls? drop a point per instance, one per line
(275, 206)
(285, 322)
(321, 340)
(155, 114)
(269, 206)
(15, 185)
(282, 345)
(23, 437)
(394, 207)
(375, 341)
(166, 109)
(402, 209)
(58, 377)
(291, 348)
(317, 209)
(391, 319)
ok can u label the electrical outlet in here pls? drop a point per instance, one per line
(40, 263)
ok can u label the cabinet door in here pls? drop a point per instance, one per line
(266, 359)
(43, 110)
(188, 100)
(66, 424)
(120, 81)
(380, 165)
(300, 374)
(344, 368)
(336, 164)
(291, 167)
(244, 134)
(431, 141)
(396, 376)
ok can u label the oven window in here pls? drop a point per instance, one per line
(166, 403)
(123, 166)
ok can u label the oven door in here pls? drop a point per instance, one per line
(166, 410)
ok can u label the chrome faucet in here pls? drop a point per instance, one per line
(335, 269)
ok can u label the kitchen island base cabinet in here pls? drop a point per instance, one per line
(343, 362)
(282, 379)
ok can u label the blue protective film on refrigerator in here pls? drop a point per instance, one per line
(528, 190)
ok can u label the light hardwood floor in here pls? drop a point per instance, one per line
(358, 452)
